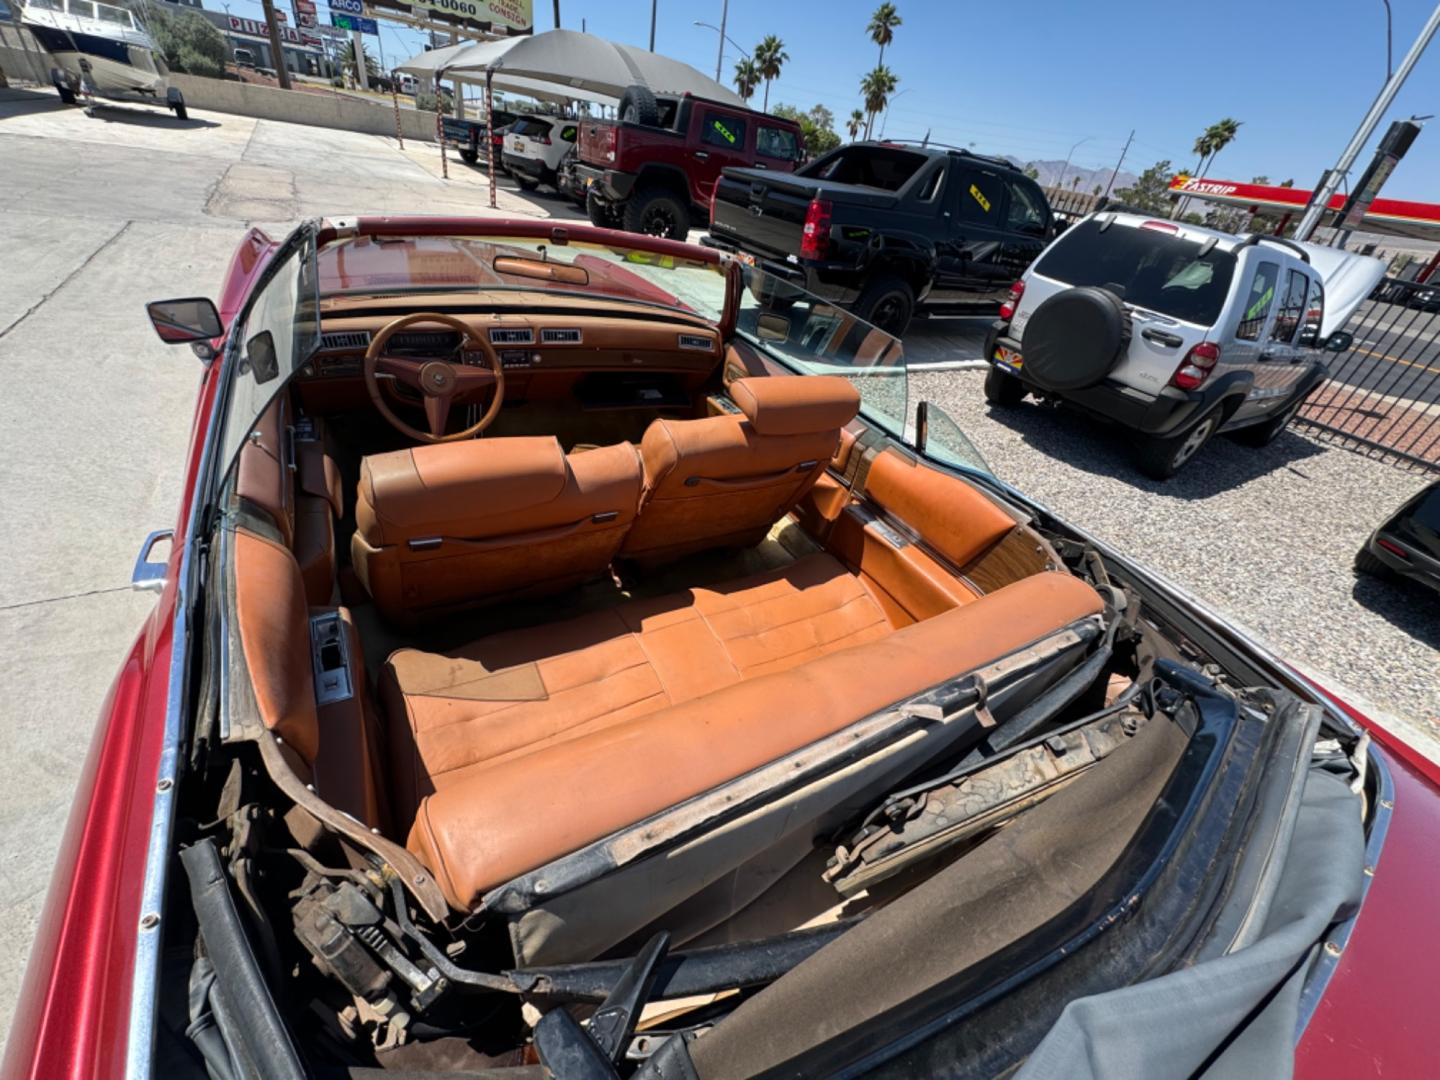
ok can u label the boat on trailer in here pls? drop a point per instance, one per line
(101, 51)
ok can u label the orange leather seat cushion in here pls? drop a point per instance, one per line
(630, 729)
(513, 692)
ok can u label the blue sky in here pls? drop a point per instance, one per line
(1030, 78)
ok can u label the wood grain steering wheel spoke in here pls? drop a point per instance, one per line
(439, 381)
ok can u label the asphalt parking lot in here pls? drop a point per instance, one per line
(104, 213)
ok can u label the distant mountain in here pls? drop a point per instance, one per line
(1050, 175)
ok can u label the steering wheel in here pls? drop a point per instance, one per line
(438, 381)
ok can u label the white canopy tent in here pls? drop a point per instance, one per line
(439, 64)
(584, 62)
(562, 65)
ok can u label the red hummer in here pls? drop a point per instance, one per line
(654, 170)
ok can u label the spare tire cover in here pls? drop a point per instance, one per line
(1074, 339)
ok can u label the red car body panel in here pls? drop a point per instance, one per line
(1375, 1018)
(1377, 1015)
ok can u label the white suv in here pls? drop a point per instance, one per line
(1174, 331)
(534, 147)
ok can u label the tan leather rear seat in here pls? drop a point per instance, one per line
(510, 755)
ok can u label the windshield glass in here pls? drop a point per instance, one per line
(1148, 268)
(795, 329)
(818, 338)
(277, 336)
(499, 264)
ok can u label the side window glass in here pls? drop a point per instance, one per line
(1025, 212)
(931, 186)
(1292, 308)
(1314, 315)
(981, 196)
(774, 142)
(1258, 299)
(723, 130)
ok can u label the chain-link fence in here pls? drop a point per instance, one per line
(1383, 396)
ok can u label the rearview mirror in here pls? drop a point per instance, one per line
(181, 321)
(772, 327)
(1339, 341)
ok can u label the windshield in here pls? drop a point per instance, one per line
(427, 264)
(1148, 268)
(277, 335)
(797, 330)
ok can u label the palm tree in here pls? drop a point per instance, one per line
(875, 89)
(1221, 135)
(882, 28)
(747, 77)
(857, 121)
(770, 56)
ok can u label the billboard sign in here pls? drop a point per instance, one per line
(306, 20)
(496, 16)
(355, 22)
(253, 28)
(304, 7)
(349, 7)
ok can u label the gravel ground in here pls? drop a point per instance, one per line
(1266, 536)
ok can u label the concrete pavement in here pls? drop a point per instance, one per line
(100, 215)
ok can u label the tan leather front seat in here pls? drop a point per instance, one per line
(723, 481)
(456, 524)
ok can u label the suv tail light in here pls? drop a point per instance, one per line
(815, 236)
(1009, 307)
(1196, 367)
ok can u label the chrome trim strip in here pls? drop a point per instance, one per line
(150, 576)
(144, 986)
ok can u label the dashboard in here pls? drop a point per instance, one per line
(604, 361)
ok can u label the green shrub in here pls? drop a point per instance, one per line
(189, 42)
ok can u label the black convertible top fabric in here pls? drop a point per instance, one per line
(1234, 1016)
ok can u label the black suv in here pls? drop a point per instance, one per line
(887, 229)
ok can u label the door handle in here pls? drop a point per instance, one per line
(702, 155)
(1160, 337)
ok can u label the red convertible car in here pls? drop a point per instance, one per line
(580, 654)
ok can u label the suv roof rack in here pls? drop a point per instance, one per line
(926, 144)
(1261, 238)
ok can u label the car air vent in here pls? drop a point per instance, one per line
(512, 335)
(345, 339)
(560, 337)
(695, 341)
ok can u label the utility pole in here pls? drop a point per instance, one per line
(1330, 182)
(1116, 173)
(557, 14)
(652, 24)
(720, 53)
(362, 72)
(277, 52)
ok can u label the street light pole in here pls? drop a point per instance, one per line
(652, 23)
(1116, 173)
(888, 102)
(724, 37)
(1066, 166)
(720, 53)
(1330, 182)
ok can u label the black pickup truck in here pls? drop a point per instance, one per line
(887, 229)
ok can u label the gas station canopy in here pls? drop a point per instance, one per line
(1389, 217)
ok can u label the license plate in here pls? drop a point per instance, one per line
(1009, 357)
(517, 146)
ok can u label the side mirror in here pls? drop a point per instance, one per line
(1339, 341)
(772, 327)
(181, 321)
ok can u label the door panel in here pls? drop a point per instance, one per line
(721, 139)
(1251, 336)
(977, 257)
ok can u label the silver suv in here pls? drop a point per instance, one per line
(1174, 331)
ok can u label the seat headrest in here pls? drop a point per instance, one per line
(796, 405)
